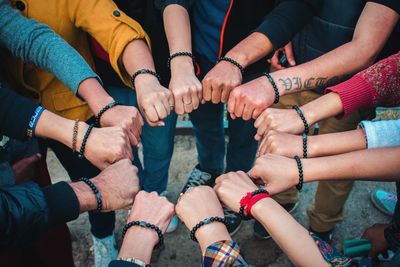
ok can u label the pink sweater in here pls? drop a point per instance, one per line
(378, 85)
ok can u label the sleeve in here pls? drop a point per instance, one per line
(38, 44)
(378, 85)
(25, 213)
(162, 4)
(287, 18)
(382, 133)
(223, 253)
(111, 28)
(15, 113)
(118, 263)
(392, 4)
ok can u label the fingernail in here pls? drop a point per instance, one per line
(39, 155)
(161, 124)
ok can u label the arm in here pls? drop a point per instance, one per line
(284, 229)
(281, 173)
(128, 47)
(290, 145)
(28, 211)
(373, 29)
(184, 84)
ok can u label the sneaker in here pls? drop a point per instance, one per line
(105, 250)
(173, 224)
(258, 228)
(326, 236)
(198, 177)
(384, 201)
(233, 221)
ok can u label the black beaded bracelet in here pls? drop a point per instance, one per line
(204, 222)
(276, 90)
(104, 109)
(305, 145)
(232, 61)
(81, 154)
(145, 225)
(299, 186)
(144, 71)
(180, 54)
(95, 191)
(254, 193)
(306, 127)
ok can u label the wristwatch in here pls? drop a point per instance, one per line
(135, 261)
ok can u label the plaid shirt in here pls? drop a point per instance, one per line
(224, 253)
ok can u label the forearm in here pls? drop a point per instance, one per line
(136, 56)
(323, 107)
(336, 143)
(250, 50)
(370, 165)
(178, 32)
(138, 243)
(288, 233)
(94, 94)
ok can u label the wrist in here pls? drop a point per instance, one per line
(142, 250)
(82, 128)
(86, 198)
(261, 206)
(146, 82)
(211, 233)
(309, 113)
(182, 65)
(239, 57)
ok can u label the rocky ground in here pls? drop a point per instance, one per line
(181, 251)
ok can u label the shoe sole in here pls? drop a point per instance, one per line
(269, 236)
(378, 206)
(236, 230)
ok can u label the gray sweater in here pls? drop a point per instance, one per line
(36, 43)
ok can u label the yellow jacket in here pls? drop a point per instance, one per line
(72, 20)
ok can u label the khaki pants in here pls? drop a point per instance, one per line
(330, 197)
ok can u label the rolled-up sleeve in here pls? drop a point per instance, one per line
(287, 18)
(111, 28)
(381, 134)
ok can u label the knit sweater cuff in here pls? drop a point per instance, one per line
(62, 202)
(354, 93)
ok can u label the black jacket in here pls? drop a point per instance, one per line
(26, 210)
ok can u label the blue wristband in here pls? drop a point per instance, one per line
(30, 132)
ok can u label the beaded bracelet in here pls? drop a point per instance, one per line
(81, 154)
(180, 54)
(245, 200)
(95, 191)
(305, 145)
(145, 225)
(232, 61)
(276, 90)
(299, 186)
(306, 127)
(75, 135)
(144, 71)
(101, 112)
(204, 222)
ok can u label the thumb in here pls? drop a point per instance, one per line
(290, 55)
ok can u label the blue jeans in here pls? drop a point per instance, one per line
(157, 142)
(208, 127)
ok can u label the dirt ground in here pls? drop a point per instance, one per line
(181, 251)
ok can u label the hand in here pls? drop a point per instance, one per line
(106, 146)
(196, 204)
(288, 51)
(278, 173)
(152, 208)
(219, 82)
(118, 185)
(24, 169)
(251, 99)
(126, 117)
(282, 144)
(155, 101)
(281, 120)
(232, 187)
(375, 234)
(185, 86)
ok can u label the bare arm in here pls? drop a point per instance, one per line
(288, 233)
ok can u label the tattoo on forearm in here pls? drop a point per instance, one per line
(295, 83)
